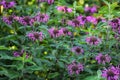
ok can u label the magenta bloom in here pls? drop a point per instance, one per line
(102, 59)
(35, 36)
(82, 20)
(50, 1)
(74, 23)
(20, 53)
(115, 24)
(41, 18)
(26, 20)
(65, 31)
(92, 9)
(92, 19)
(75, 68)
(54, 32)
(7, 4)
(93, 40)
(111, 73)
(64, 9)
(77, 50)
(8, 19)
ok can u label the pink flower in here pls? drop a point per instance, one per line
(103, 58)
(92, 19)
(65, 31)
(77, 50)
(64, 9)
(75, 68)
(35, 36)
(7, 4)
(112, 73)
(40, 17)
(93, 40)
(54, 32)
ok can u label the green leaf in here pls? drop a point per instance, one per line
(4, 48)
(53, 75)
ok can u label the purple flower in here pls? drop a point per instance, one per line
(16, 54)
(118, 67)
(82, 20)
(35, 36)
(50, 1)
(74, 23)
(65, 31)
(115, 24)
(77, 50)
(7, 4)
(64, 9)
(92, 19)
(75, 68)
(20, 53)
(26, 20)
(92, 9)
(54, 32)
(102, 59)
(8, 19)
(112, 73)
(93, 40)
(41, 18)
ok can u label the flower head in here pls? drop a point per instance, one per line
(75, 68)
(41, 17)
(93, 40)
(7, 4)
(77, 50)
(26, 20)
(64, 9)
(115, 24)
(111, 73)
(20, 53)
(74, 23)
(92, 19)
(54, 32)
(35, 36)
(50, 1)
(8, 19)
(103, 58)
(92, 9)
(65, 31)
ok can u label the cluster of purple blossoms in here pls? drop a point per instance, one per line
(92, 40)
(102, 59)
(82, 20)
(20, 53)
(112, 73)
(118, 67)
(92, 9)
(41, 17)
(115, 24)
(65, 32)
(64, 9)
(35, 36)
(7, 4)
(25, 20)
(8, 19)
(75, 68)
(77, 50)
(48, 1)
(57, 33)
(92, 20)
